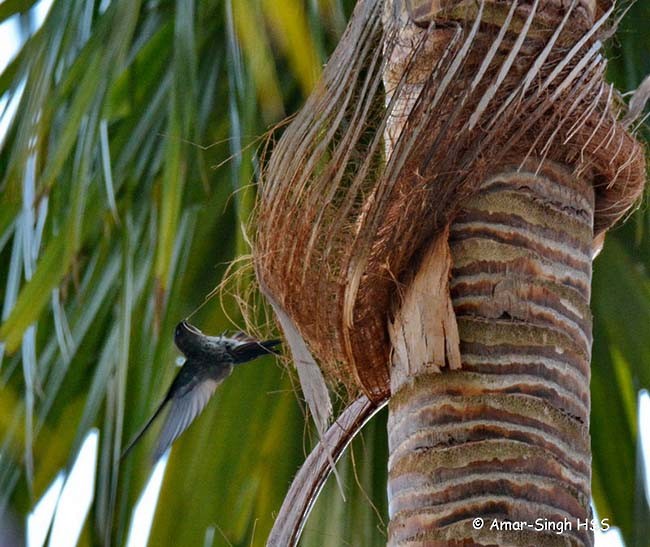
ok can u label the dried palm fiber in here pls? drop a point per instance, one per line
(404, 125)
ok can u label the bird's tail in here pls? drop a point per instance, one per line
(144, 429)
(251, 350)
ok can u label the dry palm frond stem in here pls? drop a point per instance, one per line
(414, 110)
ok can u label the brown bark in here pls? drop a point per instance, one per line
(448, 178)
(506, 438)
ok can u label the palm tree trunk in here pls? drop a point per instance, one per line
(461, 202)
(506, 438)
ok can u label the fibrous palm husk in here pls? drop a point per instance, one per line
(406, 122)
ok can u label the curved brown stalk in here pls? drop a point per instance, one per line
(314, 472)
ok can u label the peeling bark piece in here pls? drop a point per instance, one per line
(424, 334)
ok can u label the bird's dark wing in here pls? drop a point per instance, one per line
(184, 406)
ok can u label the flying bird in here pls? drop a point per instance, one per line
(209, 360)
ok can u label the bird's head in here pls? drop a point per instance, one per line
(187, 337)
